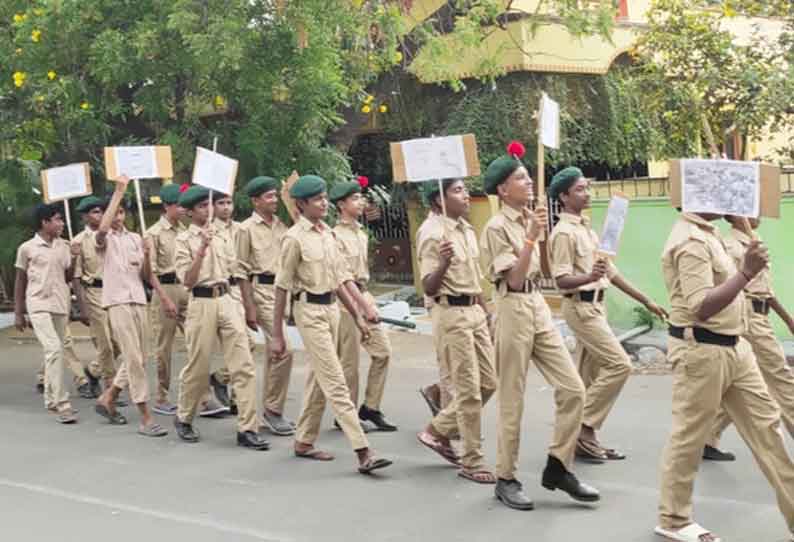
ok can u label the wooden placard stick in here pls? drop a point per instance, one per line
(211, 209)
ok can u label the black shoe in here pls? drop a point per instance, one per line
(232, 407)
(556, 476)
(96, 386)
(40, 387)
(375, 416)
(84, 390)
(511, 493)
(185, 431)
(711, 453)
(249, 439)
(221, 391)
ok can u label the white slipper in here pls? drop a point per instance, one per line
(690, 533)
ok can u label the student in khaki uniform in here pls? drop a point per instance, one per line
(202, 265)
(313, 272)
(767, 349)
(82, 376)
(87, 286)
(258, 251)
(171, 306)
(713, 365)
(524, 331)
(44, 267)
(449, 266)
(125, 259)
(583, 276)
(353, 243)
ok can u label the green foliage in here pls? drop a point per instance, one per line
(644, 317)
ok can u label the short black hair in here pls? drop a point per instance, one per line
(445, 184)
(44, 211)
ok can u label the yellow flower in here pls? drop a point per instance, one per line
(19, 18)
(369, 98)
(38, 12)
(39, 98)
(51, 75)
(219, 101)
(18, 51)
(84, 106)
(366, 109)
(398, 56)
(35, 36)
(383, 108)
(19, 78)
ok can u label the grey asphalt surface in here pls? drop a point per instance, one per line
(93, 482)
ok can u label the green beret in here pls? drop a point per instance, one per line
(88, 203)
(169, 194)
(342, 190)
(193, 196)
(259, 185)
(498, 171)
(563, 180)
(307, 187)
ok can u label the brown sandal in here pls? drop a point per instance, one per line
(590, 452)
(479, 476)
(315, 454)
(431, 442)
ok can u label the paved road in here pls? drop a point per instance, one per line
(91, 481)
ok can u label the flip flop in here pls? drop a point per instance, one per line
(374, 463)
(315, 454)
(690, 533)
(472, 476)
(446, 452)
(431, 404)
(590, 452)
(66, 417)
(114, 419)
(613, 455)
(153, 430)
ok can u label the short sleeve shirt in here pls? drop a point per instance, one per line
(736, 243)
(123, 264)
(501, 242)
(463, 275)
(259, 245)
(694, 261)
(574, 251)
(163, 236)
(310, 259)
(89, 265)
(215, 265)
(45, 265)
(354, 244)
(230, 232)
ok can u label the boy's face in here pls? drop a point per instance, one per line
(315, 207)
(200, 212)
(94, 217)
(353, 205)
(224, 207)
(54, 226)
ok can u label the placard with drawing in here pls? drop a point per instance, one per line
(613, 225)
(723, 187)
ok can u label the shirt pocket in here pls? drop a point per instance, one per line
(314, 252)
(584, 253)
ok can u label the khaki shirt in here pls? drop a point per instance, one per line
(736, 243)
(219, 262)
(45, 265)
(122, 255)
(501, 242)
(89, 263)
(574, 250)
(259, 245)
(463, 275)
(229, 231)
(694, 261)
(354, 243)
(163, 236)
(310, 259)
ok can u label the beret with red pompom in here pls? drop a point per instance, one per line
(363, 181)
(169, 194)
(500, 169)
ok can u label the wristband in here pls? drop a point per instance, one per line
(530, 243)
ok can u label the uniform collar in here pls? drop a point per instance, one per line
(40, 240)
(574, 219)
(165, 223)
(221, 225)
(512, 214)
(352, 224)
(307, 225)
(451, 224)
(740, 236)
(122, 231)
(699, 222)
(259, 220)
(195, 230)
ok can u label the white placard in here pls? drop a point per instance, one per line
(66, 182)
(214, 171)
(136, 162)
(724, 187)
(434, 158)
(613, 225)
(549, 122)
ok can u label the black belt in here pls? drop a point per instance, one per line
(361, 286)
(265, 278)
(702, 335)
(761, 306)
(96, 283)
(168, 278)
(457, 300)
(327, 298)
(588, 296)
(210, 291)
(526, 289)
(233, 281)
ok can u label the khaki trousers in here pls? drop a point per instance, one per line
(50, 330)
(166, 331)
(349, 349)
(129, 324)
(105, 345)
(222, 374)
(705, 377)
(466, 346)
(524, 331)
(210, 320)
(774, 369)
(602, 362)
(319, 328)
(71, 361)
